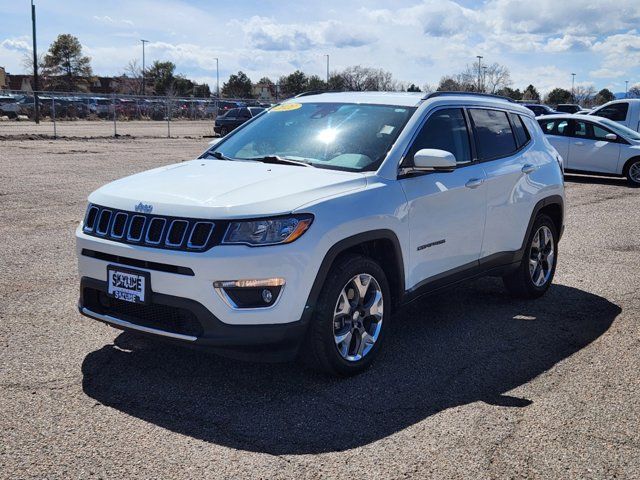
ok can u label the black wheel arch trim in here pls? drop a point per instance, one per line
(341, 247)
(545, 202)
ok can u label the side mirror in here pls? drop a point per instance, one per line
(435, 160)
(611, 136)
(215, 141)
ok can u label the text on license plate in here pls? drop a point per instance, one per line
(129, 287)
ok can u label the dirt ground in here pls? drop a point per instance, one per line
(471, 384)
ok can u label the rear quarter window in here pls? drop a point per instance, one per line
(520, 130)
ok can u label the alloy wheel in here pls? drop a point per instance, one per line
(634, 172)
(357, 318)
(541, 256)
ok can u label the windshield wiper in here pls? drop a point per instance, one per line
(220, 155)
(280, 160)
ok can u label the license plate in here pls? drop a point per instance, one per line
(128, 285)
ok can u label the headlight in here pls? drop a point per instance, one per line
(267, 231)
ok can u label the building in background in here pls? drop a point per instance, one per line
(3, 79)
(265, 92)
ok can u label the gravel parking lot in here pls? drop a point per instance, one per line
(472, 384)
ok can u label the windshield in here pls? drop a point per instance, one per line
(621, 129)
(342, 136)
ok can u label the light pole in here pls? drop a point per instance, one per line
(479, 57)
(217, 79)
(327, 71)
(626, 89)
(36, 102)
(143, 82)
(484, 77)
(573, 82)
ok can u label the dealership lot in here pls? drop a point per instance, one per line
(472, 384)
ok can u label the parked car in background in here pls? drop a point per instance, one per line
(626, 112)
(226, 105)
(568, 108)
(539, 109)
(233, 118)
(9, 106)
(590, 144)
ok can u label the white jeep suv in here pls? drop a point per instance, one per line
(301, 231)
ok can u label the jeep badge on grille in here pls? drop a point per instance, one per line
(143, 208)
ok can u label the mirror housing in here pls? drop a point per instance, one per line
(215, 141)
(611, 136)
(433, 160)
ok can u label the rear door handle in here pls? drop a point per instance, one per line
(578, 143)
(474, 183)
(528, 168)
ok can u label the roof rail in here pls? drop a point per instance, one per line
(475, 94)
(312, 92)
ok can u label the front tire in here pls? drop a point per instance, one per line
(633, 173)
(535, 273)
(350, 317)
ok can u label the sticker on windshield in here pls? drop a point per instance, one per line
(286, 107)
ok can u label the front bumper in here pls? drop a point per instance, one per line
(185, 281)
(189, 322)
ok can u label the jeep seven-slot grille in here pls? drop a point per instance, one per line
(158, 231)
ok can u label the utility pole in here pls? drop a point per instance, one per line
(479, 57)
(573, 82)
(36, 84)
(626, 89)
(143, 66)
(327, 71)
(484, 77)
(217, 79)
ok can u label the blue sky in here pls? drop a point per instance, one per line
(542, 42)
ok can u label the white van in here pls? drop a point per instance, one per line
(626, 112)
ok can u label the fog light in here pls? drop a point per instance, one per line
(250, 293)
(267, 296)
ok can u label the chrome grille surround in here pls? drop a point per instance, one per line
(207, 233)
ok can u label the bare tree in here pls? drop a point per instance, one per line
(428, 88)
(130, 81)
(358, 79)
(487, 78)
(634, 92)
(584, 96)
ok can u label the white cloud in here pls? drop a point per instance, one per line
(541, 42)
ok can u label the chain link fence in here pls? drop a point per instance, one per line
(74, 114)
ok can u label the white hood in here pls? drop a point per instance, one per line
(220, 189)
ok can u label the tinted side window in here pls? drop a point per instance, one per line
(600, 133)
(616, 112)
(445, 130)
(244, 113)
(493, 133)
(580, 129)
(520, 130)
(554, 127)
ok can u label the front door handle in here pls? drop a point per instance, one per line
(578, 143)
(528, 168)
(474, 183)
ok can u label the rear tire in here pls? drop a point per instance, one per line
(350, 318)
(535, 273)
(633, 173)
(224, 131)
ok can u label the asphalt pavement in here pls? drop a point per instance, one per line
(472, 384)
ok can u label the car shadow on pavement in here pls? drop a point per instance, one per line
(595, 180)
(466, 344)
